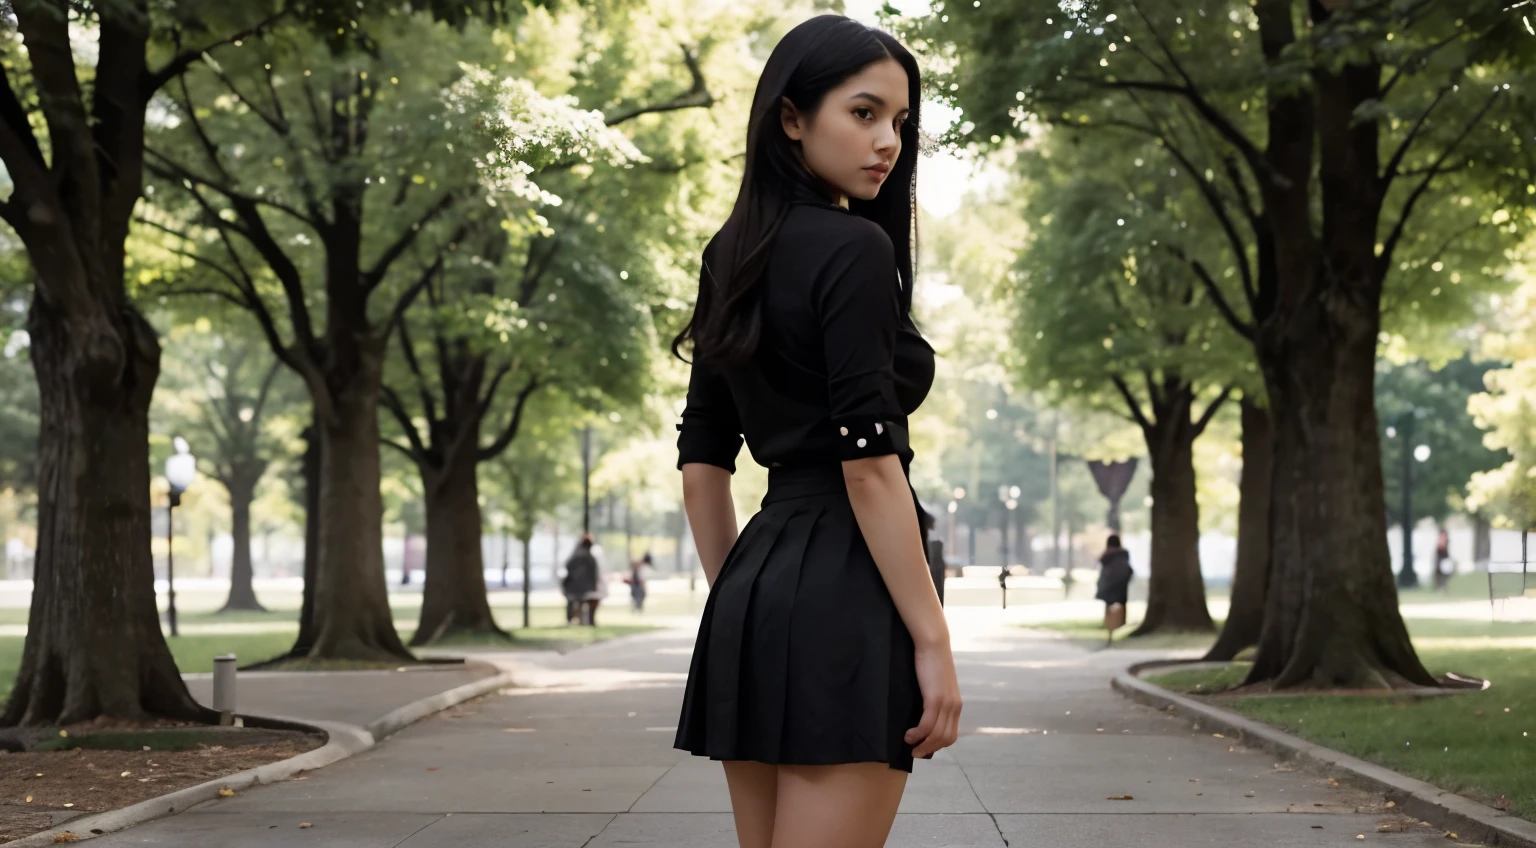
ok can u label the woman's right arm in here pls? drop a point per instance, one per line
(711, 514)
(709, 438)
(860, 312)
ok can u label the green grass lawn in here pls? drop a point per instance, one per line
(1478, 744)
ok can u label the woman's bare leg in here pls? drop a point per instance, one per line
(845, 806)
(754, 795)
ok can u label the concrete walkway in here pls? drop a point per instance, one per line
(580, 756)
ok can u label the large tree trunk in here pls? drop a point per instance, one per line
(94, 646)
(454, 599)
(1250, 576)
(1176, 596)
(1331, 617)
(352, 618)
(242, 595)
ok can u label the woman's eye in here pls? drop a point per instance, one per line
(864, 114)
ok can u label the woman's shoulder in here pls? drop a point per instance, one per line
(837, 228)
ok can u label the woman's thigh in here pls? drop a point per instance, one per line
(844, 806)
(754, 793)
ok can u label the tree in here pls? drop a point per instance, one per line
(72, 142)
(560, 295)
(1334, 157)
(1507, 414)
(313, 169)
(223, 392)
(535, 475)
(1436, 396)
(1111, 314)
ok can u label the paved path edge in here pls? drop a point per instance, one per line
(343, 741)
(1451, 812)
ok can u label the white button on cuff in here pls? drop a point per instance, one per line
(879, 428)
(843, 430)
(862, 443)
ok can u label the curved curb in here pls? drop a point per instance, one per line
(343, 741)
(396, 720)
(1467, 818)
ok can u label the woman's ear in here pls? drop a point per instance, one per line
(790, 119)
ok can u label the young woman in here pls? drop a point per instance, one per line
(823, 663)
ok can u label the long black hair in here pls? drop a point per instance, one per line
(812, 59)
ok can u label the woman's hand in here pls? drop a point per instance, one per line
(936, 678)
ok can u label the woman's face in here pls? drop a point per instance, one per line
(852, 140)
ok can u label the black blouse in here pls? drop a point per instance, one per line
(839, 366)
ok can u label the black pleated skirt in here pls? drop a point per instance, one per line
(801, 657)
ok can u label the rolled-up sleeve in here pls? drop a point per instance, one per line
(710, 431)
(860, 311)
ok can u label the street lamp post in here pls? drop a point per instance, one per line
(180, 470)
(1009, 495)
(1407, 577)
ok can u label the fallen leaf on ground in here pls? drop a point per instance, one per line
(1448, 834)
(67, 806)
(1247, 794)
(305, 826)
(1332, 782)
(226, 793)
(1390, 827)
(1120, 798)
(125, 774)
(1218, 736)
(434, 768)
(66, 836)
(1502, 804)
(1391, 804)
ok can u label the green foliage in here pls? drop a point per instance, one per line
(540, 471)
(18, 385)
(1453, 119)
(1436, 400)
(1109, 286)
(1507, 411)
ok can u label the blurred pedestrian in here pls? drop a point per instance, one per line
(1443, 564)
(636, 580)
(581, 579)
(1115, 574)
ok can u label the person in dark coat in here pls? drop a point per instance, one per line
(580, 581)
(1443, 564)
(636, 581)
(1114, 584)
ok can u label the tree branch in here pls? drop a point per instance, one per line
(697, 95)
(375, 275)
(155, 80)
(1211, 410)
(1131, 401)
(391, 401)
(1384, 261)
(429, 407)
(484, 406)
(510, 433)
(407, 297)
(17, 130)
(1243, 328)
(1384, 182)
